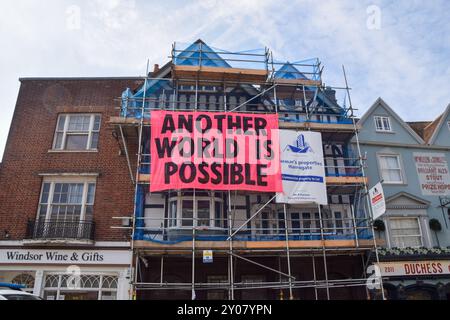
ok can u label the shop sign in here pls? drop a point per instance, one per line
(434, 176)
(82, 257)
(414, 268)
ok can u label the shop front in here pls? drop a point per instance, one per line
(69, 274)
(416, 280)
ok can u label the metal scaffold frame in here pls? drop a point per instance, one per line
(268, 87)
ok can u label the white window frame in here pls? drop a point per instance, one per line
(100, 290)
(329, 224)
(55, 180)
(392, 237)
(314, 219)
(400, 167)
(272, 221)
(383, 128)
(66, 131)
(179, 216)
(346, 219)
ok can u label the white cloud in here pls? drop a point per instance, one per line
(406, 61)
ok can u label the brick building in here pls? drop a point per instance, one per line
(63, 180)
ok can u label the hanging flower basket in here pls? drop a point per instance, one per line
(435, 225)
(378, 225)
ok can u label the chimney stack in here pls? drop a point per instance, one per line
(155, 69)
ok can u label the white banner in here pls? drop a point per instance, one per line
(434, 177)
(377, 201)
(302, 168)
(82, 257)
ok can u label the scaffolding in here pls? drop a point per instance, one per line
(200, 78)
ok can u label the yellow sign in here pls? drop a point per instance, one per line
(207, 256)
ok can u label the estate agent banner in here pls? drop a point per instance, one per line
(377, 201)
(215, 151)
(302, 167)
(434, 177)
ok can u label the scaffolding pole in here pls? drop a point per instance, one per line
(366, 189)
(162, 270)
(251, 218)
(263, 266)
(288, 255)
(315, 277)
(230, 243)
(127, 155)
(139, 160)
(324, 253)
(253, 98)
(344, 283)
(194, 222)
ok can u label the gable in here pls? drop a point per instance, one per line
(192, 55)
(401, 132)
(404, 200)
(288, 71)
(441, 134)
(199, 53)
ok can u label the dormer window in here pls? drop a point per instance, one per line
(382, 124)
(448, 125)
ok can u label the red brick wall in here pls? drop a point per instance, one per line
(31, 137)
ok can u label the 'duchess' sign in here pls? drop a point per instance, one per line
(414, 268)
(89, 257)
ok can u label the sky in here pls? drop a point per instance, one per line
(397, 50)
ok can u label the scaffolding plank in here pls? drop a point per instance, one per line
(124, 121)
(252, 245)
(306, 82)
(218, 73)
(318, 126)
(187, 245)
(146, 178)
(304, 244)
(282, 124)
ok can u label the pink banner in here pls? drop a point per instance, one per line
(214, 151)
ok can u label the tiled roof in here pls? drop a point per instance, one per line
(419, 126)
